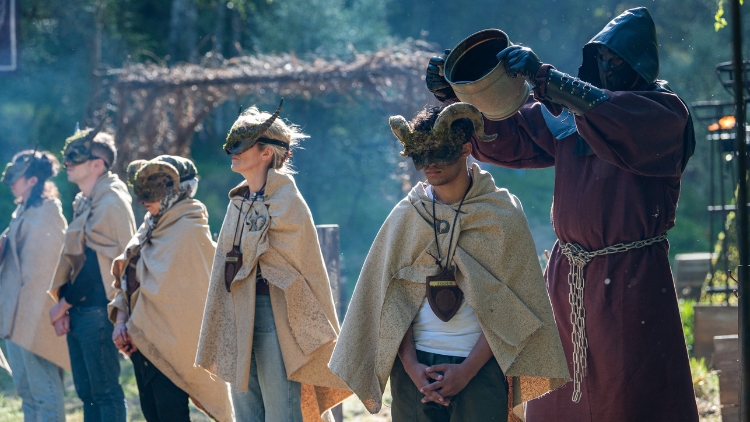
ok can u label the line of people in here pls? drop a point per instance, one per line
(451, 304)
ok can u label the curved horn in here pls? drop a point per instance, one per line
(400, 128)
(462, 111)
(132, 170)
(152, 167)
(263, 127)
(90, 136)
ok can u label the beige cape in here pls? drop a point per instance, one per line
(103, 222)
(34, 241)
(281, 237)
(173, 269)
(497, 270)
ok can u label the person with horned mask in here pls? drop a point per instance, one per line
(29, 250)
(451, 302)
(270, 324)
(102, 225)
(160, 290)
(619, 140)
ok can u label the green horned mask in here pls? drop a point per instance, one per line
(78, 146)
(441, 145)
(242, 138)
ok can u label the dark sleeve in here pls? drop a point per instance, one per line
(642, 132)
(88, 286)
(523, 140)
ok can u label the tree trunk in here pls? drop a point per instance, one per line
(183, 37)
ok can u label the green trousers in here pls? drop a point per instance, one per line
(485, 397)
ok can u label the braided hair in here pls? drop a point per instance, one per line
(43, 166)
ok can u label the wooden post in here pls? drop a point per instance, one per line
(727, 363)
(328, 237)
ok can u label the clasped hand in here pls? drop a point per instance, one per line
(122, 340)
(59, 318)
(440, 382)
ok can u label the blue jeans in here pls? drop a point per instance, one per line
(39, 383)
(95, 364)
(271, 396)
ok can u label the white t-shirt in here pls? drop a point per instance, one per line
(453, 338)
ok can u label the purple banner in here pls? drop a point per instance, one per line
(8, 36)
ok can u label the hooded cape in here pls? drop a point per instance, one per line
(496, 268)
(32, 249)
(173, 269)
(278, 233)
(632, 35)
(103, 222)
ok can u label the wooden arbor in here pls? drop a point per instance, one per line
(158, 108)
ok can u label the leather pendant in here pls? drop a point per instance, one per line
(443, 294)
(232, 265)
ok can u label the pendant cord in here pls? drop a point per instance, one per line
(239, 215)
(439, 260)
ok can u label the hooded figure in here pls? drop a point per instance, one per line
(619, 140)
(160, 290)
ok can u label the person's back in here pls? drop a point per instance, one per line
(454, 278)
(102, 225)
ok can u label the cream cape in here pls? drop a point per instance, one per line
(103, 222)
(173, 269)
(34, 241)
(497, 270)
(280, 235)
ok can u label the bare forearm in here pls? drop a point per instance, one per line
(406, 351)
(479, 355)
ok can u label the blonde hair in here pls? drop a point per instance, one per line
(281, 131)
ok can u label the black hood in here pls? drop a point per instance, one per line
(632, 35)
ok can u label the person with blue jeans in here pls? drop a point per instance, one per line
(29, 250)
(102, 225)
(270, 325)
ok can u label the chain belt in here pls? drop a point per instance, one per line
(578, 258)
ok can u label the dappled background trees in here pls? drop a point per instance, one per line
(72, 53)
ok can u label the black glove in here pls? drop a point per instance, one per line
(436, 82)
(522, 61)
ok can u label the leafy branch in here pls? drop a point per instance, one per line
(719, 21)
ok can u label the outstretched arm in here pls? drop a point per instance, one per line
(523, 140)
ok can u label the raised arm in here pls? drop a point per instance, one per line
(523, 140)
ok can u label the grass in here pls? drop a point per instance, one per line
(705, 382)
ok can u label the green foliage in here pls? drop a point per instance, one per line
(688, 322)
(705, 382)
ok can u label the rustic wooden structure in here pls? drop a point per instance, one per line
(712, 321)
(157, 108)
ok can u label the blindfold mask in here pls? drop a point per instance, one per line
(242, 138)
(442, 145)
(78, 147)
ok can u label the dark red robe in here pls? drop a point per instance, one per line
(638, 368)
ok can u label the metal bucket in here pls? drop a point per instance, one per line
(477, 78)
